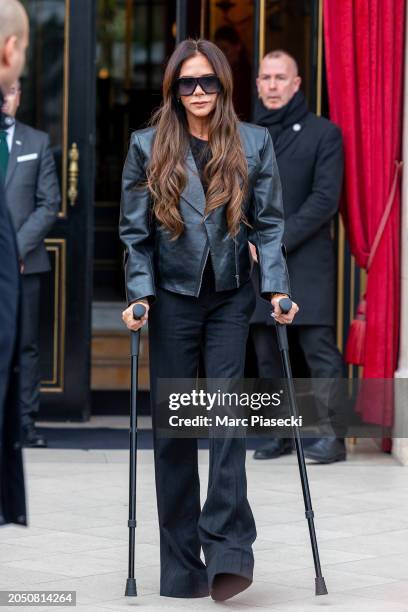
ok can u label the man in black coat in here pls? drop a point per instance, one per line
(13, 44)
(310, 160)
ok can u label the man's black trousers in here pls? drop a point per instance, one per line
(179, 327)
(324, 361)
(30, 358)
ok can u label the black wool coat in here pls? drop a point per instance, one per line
(309, 154)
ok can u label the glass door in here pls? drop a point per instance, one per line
(248, 29)
(292, 25)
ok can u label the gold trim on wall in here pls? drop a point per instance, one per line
(352, 285)
(65, 108)
(212, 21)
(363, 288)
(341, 248)
(203, 13)
(351, 300)
(262, 19)
(363, 282)
(57, 381)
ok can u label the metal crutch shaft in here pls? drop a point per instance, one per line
(320, 585)
(131, 591)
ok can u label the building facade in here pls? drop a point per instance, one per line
(93, 75)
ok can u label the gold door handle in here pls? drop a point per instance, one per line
(73, 174)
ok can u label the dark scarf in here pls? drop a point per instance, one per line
(281, 118)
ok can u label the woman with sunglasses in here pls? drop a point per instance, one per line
(196, 187)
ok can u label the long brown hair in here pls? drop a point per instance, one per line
(226, 173)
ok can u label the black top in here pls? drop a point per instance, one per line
(202, 154)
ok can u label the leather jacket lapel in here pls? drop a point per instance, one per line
(193, 192)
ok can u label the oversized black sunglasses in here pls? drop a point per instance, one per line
(186, 86)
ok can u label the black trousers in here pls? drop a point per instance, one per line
(323, 359)
(179, 327)
(30, 357)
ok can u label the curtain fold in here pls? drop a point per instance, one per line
(364, 43)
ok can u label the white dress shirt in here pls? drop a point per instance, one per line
(10, 136)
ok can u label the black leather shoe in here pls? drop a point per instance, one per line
(274, 448)
(327, 450)
(32, 439)
(225, 586)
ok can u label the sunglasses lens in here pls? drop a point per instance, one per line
(210, 84)
(186, 86)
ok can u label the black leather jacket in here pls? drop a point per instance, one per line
(152, 259)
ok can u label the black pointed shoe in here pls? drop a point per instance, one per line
(274, 448)
(327, 450)
(225, 586)
(33, 439)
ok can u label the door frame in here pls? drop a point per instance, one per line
(68, 394)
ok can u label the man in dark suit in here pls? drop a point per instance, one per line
(310, 161)
(33, 199)
(13, 43)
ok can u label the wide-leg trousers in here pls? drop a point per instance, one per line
(179, 328)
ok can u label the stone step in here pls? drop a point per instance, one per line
(110, 369)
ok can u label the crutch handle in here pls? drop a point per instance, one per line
(138, 311)
(285, 304)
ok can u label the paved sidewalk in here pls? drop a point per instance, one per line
(77, 538)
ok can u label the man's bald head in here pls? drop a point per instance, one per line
(278, 79)
(13, 20)
(13, 41)
(287, 57)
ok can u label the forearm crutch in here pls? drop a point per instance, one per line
(138, 312)
(285, 305)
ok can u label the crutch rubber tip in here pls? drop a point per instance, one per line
(131, 588)
(321, 588)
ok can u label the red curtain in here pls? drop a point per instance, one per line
(364, 42)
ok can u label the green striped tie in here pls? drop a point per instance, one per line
(4, 154)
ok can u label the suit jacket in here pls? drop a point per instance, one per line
(12, 494)
(310, 162)
(33, 195)
(152, 258)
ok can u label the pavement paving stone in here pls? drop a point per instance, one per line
(78, 533)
